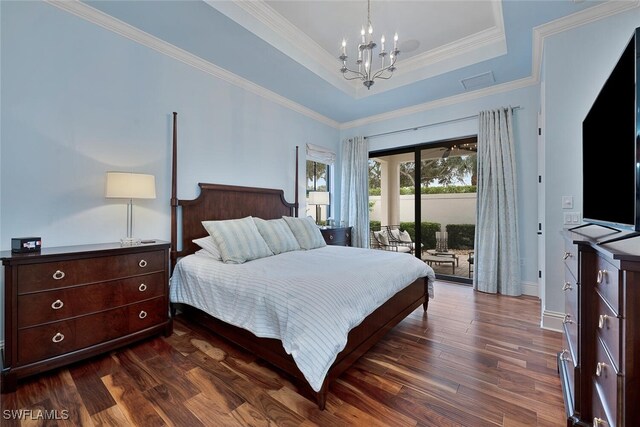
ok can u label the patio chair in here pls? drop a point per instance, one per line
(380, 240)
(470, 260)
(400, 237)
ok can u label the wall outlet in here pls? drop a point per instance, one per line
(571, 218)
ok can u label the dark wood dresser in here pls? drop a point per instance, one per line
(339, 236)
(68, 303)
(599, 364)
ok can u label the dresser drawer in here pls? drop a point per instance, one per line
(608, 328)
(600, 417)
(570, 326)
(571, 259)
(570, 289)
(607, 283)
(337, 236)
(60, 274)
(61, 337)
(58, 304)
(605, 375)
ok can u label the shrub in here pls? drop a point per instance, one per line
(374, 225)
(461, 236)
(428, 230)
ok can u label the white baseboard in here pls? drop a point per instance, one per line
(531, 289)
(552, 320)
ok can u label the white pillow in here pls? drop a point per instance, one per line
(208, 245)
(382, 237)
(277, 234)
(306, 232)
(405, 237)
(238, 240)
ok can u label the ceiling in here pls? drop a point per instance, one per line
(287, 50)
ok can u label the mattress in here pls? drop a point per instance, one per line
(309, 300)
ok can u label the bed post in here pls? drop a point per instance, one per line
(174, 198)
(425, 304)
(295, 194)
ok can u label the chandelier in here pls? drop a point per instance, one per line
(365, 57)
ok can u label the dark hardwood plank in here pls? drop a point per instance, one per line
(472, 360)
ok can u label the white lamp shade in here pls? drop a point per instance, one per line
(126, 185)
(318, 197)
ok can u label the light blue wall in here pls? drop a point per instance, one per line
(525, 134)
(78, 100)
(577, 63)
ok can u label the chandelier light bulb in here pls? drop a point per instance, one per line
(381, 43)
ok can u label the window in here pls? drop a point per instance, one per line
(319, 168)
(318, 180)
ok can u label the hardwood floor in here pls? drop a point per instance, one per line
(473, 360)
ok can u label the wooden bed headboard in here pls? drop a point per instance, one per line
(220, 202)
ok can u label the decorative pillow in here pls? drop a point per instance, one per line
(208, 245)
(238, 240)
(382, 237)
(277, 234)
(405, 237)
(395, 234)
(306, 232)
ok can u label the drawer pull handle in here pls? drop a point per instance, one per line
(599, 422)
(330, 236)
(567, 286)
(142, 287)
(599, 368)
(602, 274)
(602, 321)
(142, 263)
(567, 319)
(142, 314)
(58, 275)
(567, 255)
(57, 337)
(57, 305)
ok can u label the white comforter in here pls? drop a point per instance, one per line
(309, 300)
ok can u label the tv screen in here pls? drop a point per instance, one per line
(609, 149)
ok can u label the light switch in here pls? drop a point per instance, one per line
(567, 218)
(567, 202)
(575, 218)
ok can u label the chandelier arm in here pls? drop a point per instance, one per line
(356, 75)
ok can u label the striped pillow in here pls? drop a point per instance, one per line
(306, 232)
(277, 234)
(238, 240)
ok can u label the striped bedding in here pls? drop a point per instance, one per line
(309, 300)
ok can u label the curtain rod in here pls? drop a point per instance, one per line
(459, 119)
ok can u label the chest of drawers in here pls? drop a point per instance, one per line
(339, 236)
(65, 304)
(602, 389)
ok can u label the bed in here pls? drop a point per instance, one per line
(280, 344)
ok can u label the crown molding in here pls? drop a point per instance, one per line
(123, 29)
(488, 43)
(540, 34)
(265, 22)
(586, 16)
(443, 102)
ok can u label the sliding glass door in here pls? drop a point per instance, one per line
(428, 191)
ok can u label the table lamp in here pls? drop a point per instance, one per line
(126, 185)
(318, 198)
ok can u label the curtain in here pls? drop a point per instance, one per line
(497, 257)
(355, 189)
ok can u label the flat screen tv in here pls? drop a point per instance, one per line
(611, 148)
